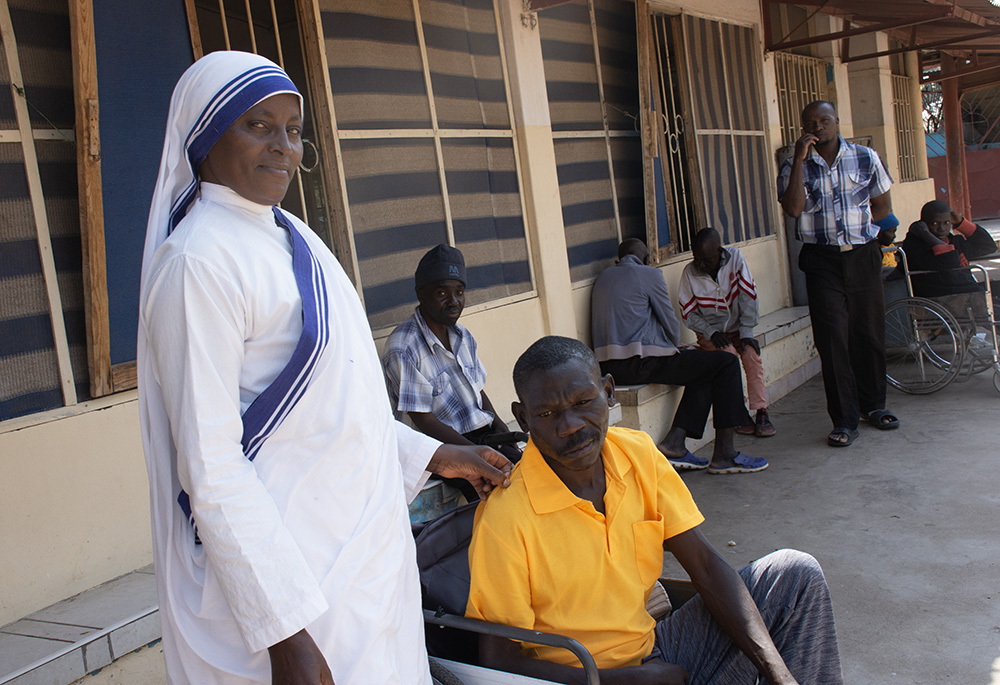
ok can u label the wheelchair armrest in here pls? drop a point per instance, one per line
(512, 633)
(509, 438)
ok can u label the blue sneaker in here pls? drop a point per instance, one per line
(689, 462)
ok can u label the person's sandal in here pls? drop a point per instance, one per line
(883, 419)
(763, 427)
(849, 435)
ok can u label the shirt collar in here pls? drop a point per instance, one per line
(818, 158)
(454, 333)
(630, 259)
(547, 493)
(224, 195)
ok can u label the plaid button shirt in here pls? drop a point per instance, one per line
(838, 197)
(422, 376)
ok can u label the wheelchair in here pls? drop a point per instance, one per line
(931, 342)
(453, 640)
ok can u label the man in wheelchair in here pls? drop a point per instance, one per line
(939, 243)
(576, 542)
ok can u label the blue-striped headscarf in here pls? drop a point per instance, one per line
(211, 95)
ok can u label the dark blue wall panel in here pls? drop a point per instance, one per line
(142, 49)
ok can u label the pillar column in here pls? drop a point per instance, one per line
(953, 136)
(536, 151)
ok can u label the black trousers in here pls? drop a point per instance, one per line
(711, 380)
(847, 308)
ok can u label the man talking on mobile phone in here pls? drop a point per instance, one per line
(839, 192)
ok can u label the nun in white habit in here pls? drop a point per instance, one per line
(278, 477)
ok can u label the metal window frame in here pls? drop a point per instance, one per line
(655, 134)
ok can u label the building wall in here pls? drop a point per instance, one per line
(73, 489)
(74, 503)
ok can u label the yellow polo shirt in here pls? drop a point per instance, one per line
(544, 559)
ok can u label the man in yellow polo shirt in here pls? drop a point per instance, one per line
(575, 544)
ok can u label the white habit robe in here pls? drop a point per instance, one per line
(314, 533)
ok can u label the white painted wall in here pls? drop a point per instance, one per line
(74, 503)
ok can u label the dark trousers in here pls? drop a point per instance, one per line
(847, 308)
(711, 380)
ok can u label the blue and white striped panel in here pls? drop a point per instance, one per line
(708, 76)
(734, 171)
(718, 173)
(758, 193)
(626, 155)
(29, 375)
(375, 66)
(587, 206)
(619, 63)
(743, 64)
(393, 186)
(463, 52)
(574, 105)
(397, 211)
(570, 67)
(486, 216)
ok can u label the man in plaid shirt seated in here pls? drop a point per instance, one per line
(432, 369)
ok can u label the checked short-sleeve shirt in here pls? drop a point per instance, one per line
(423, 376)
(838, 197)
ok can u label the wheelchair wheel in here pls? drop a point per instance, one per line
(996, 380)
(924, 346)
(978, 353)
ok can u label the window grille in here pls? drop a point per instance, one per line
(716, 165)
(800, 80)
(907, 128)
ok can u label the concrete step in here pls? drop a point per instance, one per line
(83, 634)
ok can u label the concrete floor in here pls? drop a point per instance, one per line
(905, 523)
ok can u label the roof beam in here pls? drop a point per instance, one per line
(926, 46)
(933, 14)
(962, 72)
(963, 14)
(535, 5)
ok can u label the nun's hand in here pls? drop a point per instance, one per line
(485, 468)
(296, 660)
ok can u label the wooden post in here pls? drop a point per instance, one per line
(88, 164)
(647, 126)
(954, 139)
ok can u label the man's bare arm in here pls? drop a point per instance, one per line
(428, 424)
(297, 660)
(881, 206)
(485, 468)
(726, 597)
(794, 199)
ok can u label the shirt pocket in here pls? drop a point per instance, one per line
(440, 383)
(814, 195)
(648, 538)
(856, 184)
